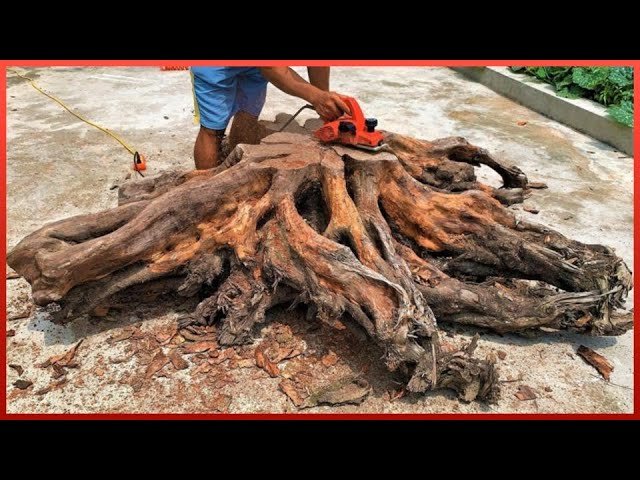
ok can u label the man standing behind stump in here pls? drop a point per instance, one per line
(240, 92)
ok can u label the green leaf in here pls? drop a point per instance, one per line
(627, 95)
(572, 91)
(541, 73)
(590, 77)
(622, 113)
(517, 69)
(564, 82)
(621, 76)
(557, 74)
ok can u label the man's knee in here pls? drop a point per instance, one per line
(218, 134)
(245, 129)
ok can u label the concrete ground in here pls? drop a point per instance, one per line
(58, 166)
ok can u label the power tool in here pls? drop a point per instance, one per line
(351, 129)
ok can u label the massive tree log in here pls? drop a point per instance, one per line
(394, 242)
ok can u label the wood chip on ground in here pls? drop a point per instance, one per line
(597, 361)
(526, 393)
(158, 362)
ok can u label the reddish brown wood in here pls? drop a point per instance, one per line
(394, 241)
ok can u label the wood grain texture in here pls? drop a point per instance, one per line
(394, 241)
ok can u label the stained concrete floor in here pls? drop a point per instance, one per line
(58, 166)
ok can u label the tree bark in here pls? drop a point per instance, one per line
(393, 241)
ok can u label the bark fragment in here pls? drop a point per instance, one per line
(597, 361)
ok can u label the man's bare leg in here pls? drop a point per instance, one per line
(206, 151)
(245, 129)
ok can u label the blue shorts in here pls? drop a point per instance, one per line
(221, 92)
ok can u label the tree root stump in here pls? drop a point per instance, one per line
(394, 242)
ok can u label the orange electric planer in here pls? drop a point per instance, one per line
(352, 129)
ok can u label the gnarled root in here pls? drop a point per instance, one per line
(391, 241)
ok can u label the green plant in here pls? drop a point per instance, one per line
(610, 86)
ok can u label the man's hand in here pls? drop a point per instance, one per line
(329, 105)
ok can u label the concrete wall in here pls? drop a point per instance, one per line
(582, 114)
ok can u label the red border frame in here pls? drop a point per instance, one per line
(312, 416)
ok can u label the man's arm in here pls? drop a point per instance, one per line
(328, 105)
(319, 77)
